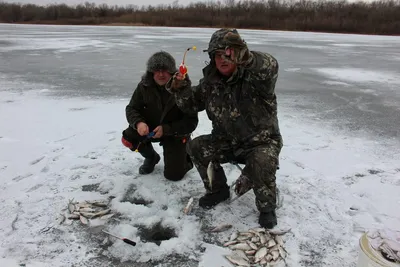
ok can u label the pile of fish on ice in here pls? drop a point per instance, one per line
(87, 210)
(257, 247)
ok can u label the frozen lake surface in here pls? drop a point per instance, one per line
(352, 81)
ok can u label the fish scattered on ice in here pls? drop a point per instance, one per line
(221, 228)
(237, 260)
(188, 207)
(279, 231)
(83, 220)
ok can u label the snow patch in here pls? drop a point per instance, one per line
(335, 83)
(292, 69)
(359, 75)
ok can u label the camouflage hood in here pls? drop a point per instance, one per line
(219, 41)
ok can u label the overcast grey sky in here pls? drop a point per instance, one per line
(121, 2)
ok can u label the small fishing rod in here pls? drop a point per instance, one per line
(182, 67)
(150, 135)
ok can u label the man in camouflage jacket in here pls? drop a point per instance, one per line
(238, 93)
(153, 116)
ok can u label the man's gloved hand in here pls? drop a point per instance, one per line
(176, 83)
(243, 184)
(236, 49)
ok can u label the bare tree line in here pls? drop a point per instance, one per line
(379, 17)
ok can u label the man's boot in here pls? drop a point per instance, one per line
(150, 161)
(210, 200)
(268, 219)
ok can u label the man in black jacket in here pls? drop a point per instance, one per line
(153, 116)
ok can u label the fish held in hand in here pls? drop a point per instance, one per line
(210, 174)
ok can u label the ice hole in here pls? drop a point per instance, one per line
(156, 233)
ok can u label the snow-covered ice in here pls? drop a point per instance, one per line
(361, 75)
(60, 140)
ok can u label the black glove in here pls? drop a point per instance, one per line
(241, 53)
(243, 184)
(176, 83)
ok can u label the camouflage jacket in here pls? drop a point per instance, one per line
(243, 109)
(155, 107)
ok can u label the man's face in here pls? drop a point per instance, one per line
(161, 77)
(226, 68)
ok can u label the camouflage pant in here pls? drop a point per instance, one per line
(260, 166)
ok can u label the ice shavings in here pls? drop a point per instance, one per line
(214, 256)
(184, 239)
(106, 186)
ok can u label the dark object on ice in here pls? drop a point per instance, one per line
(90, 187)
(156, 233)
(151, 158)
(126, 240)
(268, 219)
(210, 200)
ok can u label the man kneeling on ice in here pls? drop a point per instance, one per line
(153, 116)
(238, 93)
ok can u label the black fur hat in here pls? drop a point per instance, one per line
(161, 61)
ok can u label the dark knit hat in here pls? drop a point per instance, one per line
(161, 61)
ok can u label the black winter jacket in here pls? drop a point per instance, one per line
(152, 104)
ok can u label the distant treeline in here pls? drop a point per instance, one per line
(379, 17)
